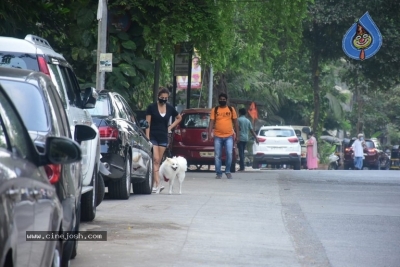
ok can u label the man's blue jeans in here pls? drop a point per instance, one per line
(220, 142)
(358, 162)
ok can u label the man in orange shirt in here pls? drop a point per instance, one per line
(221, 129)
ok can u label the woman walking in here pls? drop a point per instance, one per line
(158, 115)
(312, 152)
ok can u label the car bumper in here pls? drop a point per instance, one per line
(114, 164)
(275, 159)
(369, 163)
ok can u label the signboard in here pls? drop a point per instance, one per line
(105, 63)
(182, 81)
(181, 64)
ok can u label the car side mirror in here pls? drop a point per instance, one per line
(84, 133)
(61, 150)
(143, 124)
(90, 97)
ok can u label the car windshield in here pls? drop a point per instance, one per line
(276, 132)
(18, 61)
(29, 104)
(102, 107)
(196, 120)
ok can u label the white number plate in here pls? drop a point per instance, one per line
(207, 154)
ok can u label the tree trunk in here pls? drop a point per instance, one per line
(316, 88)
(221, 86)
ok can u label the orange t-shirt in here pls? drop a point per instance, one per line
(223, 121)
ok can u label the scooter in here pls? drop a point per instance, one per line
(333, 162)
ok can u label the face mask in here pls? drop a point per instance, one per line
(361, 138)
(222, 103)
(162, 101)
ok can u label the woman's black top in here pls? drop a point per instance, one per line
(158, 123)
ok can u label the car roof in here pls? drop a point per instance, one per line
(21, 74)
(31, 44)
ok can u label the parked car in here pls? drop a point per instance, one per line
(28, 200)
(373, 158)
(36, 54)
(302, 134)
(191, 141)
(278, 145)
(37, 101)
(125, 149)
(395, 158)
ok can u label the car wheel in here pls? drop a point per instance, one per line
(255, 164)
(89, 200)
(121, 189)
(101, 189)
(297, 166)
(146, 186)
(56, 262)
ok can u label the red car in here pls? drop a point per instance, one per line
(190, 139)
(371, 156)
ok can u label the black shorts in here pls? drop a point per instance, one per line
(159, 139)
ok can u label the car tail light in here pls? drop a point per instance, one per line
(43, 66)
(178, 135)
(260, 153)
(372, 150)
(348, 149)
(53, 172)
(108, 133)
(293, 154)
(261, 139)
(293, 140)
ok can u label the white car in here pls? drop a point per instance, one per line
(36, 54)
(278, 145)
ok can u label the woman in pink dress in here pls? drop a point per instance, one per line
(312, 152)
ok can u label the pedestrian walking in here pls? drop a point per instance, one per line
(223, 119)
(245, 128)
(158, 116)
(312, 152)
(358, 149)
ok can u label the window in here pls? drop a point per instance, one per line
(19, 61)
(197, 120)
(277, 132)
(30, 104)
(57, 80)
(120, 109)
(102, 107)
(13, 130)
(131, 115)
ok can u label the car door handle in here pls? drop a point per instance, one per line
(13, 193)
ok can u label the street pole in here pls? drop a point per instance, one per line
(210, 87)
(189, 84)
(101, 41)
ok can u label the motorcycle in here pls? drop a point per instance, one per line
(333, 162)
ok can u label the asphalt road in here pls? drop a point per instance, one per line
(259, 218)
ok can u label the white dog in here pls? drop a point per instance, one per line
(171, 169)
(138, 167)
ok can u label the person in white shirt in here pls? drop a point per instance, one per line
(358, 149)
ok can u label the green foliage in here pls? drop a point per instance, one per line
(325, 149)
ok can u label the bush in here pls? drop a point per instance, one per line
(324, 151)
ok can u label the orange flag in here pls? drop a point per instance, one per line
(253, 111)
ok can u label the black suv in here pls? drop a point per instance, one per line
(124, 147)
